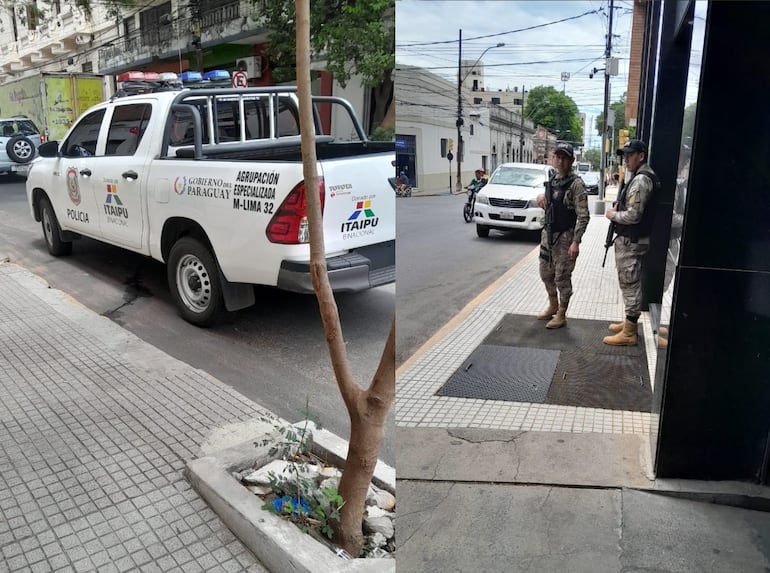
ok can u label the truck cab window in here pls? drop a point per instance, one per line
(127, 128)
(181, 132)
(257, 119)
(82, 140)
(288, 118)
(228, 121)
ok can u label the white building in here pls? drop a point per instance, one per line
(426, 111)
(57, 39)
(473, 83)
(157, 35)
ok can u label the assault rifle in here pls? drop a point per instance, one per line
(549, 218)
(610, 240)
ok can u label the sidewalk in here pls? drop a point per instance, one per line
(95, 429)
(494, 485)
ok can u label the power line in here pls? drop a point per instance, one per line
(504, 33)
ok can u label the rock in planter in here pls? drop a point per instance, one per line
(380, 498)
(383, 525)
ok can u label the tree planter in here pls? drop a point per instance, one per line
(278, 544)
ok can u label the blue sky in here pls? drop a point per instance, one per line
(427, 36)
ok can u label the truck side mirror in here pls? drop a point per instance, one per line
(49, 149)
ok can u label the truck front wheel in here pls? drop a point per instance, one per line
(52, 231)
(193, 278)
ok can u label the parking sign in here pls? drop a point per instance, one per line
(240, 79)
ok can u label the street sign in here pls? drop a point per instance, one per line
(240, 79)
(449, 156)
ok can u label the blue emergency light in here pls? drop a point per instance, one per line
(216, 75)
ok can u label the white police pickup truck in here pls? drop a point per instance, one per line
(210, 182)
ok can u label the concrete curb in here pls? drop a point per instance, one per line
(278, 544)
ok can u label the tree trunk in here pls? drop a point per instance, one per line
(367, 429)
(367, 408)
(383, 108)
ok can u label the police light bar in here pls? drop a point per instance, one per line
(216, 75)
(130, 76)
(189, 77)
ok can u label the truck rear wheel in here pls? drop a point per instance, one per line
(193, 278)
(52, 231)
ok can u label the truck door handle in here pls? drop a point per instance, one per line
(85, 172)
(130, 175)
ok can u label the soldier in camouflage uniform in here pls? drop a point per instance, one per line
(633, 215)
(560, 247)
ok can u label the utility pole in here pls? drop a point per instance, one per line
(459, 122)
(195, 7)
(608, 55)
(521, 135)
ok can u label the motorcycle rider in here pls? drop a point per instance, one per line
(402, 184)
(480, 179)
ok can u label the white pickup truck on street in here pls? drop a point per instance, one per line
(209, 181)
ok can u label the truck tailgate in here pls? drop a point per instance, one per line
(360, 204)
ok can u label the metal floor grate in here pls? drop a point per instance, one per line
(503, 373)
(522, 361)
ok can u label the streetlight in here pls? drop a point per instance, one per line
(459, 122)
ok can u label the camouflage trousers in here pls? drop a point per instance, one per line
(628, 262)
(556, 273)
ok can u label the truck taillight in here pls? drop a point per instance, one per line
(43, 138)
(289, 225)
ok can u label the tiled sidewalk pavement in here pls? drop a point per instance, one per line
(596, 297)
(95, 428)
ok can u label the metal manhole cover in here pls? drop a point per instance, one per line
(503, 373)
(601, 381)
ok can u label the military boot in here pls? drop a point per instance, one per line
(559, 319)
(553, 308)
(615, 327)
(626, 337)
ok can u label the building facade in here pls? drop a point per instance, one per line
(157, 36)
(426, 130)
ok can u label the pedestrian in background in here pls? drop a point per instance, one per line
(560, 240)
(633, 216)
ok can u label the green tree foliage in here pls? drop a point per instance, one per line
(620, 117)
(349, 35)
(594, 157)
(557, 112)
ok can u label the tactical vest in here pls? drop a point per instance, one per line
(644, 227)
(563, 217)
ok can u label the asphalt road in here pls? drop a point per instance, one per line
(274, 353)
(441, 265)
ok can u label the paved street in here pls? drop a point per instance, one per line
(442, 265)
(273, 353)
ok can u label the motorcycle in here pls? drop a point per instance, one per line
(470, 204)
